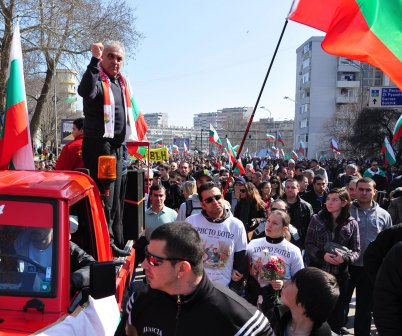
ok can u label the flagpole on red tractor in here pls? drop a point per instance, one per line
(256, 104)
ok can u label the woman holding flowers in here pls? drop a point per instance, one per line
(272, 259)
(332, 242)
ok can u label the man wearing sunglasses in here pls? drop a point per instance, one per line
(180, 299)
(221, 234)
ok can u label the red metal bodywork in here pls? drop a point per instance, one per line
(66, 188)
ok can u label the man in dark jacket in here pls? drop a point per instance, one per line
(106, 105)
(300, 211)
(318, 195)
(387, 297)
(179, 293)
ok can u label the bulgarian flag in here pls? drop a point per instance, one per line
(388, 152)
(282, 153)
(334, 145)
(185, 148)
(232, 154)
(397, 130)
(270, 137)
(274, 149)
(15, 138)
(158, 142)
(301, 148)
(368, 31)
(136, 118)
(175, 149)
(214, 137)
(294, 156)
(279, 138)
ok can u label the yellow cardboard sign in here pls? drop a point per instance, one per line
(159, 154)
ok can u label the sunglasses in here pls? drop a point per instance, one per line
(273, 209)
(242, 190)
(212, 198)
(274, 182)
(154, 260)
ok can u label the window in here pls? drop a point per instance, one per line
(304, 123)
(306, 78)
(306, 48)
(306, 63)
(28, 252)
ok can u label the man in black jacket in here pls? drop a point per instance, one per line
(387, 298)
(300, 211)
(106, 104)
(180, 299)
(318, 195)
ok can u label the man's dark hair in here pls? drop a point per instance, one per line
(299, 178)
(314, 160)
(308, 281)
(366, 180)
(203, 187)
(318, 178)
(165, 166)
(79, 123)
(156, 187)
(182, 241)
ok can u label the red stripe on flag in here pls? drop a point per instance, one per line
(15, 134)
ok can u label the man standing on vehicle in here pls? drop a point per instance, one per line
(180, 299)
(106, 100)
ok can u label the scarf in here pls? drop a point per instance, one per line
(109, 107)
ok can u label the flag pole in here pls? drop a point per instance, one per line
(257, 102)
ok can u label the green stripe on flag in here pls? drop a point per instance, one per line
(14, 84)
(382, 17)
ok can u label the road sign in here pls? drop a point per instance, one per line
(381, 96)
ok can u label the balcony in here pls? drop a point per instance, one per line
(348, 84)
(349, 67)
(341, 99)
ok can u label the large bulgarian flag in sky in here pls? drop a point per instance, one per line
(366, 30)
(15, 139)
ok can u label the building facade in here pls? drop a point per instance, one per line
(330, 91)
(157, 119)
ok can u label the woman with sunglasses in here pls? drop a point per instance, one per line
(260, 289)
(276, 187)
(249, 206)
(332, 243)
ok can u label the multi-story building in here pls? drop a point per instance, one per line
(330, 90)
(66, 87)
(157, 120)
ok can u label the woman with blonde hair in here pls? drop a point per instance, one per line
(189, 188)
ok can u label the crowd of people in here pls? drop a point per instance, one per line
(277, 235)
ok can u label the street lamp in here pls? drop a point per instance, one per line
(288, 98)
(273, 121)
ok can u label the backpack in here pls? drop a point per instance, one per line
(190, 208)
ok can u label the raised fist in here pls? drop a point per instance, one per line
(97, 49)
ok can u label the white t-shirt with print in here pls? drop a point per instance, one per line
(259, 252)
(220, 242)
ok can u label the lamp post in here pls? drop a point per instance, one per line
(288, 98)
(273, 121)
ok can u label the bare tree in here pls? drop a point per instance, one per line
(58, 34)
(370, 129)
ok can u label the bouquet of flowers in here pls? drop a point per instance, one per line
(273, 269)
